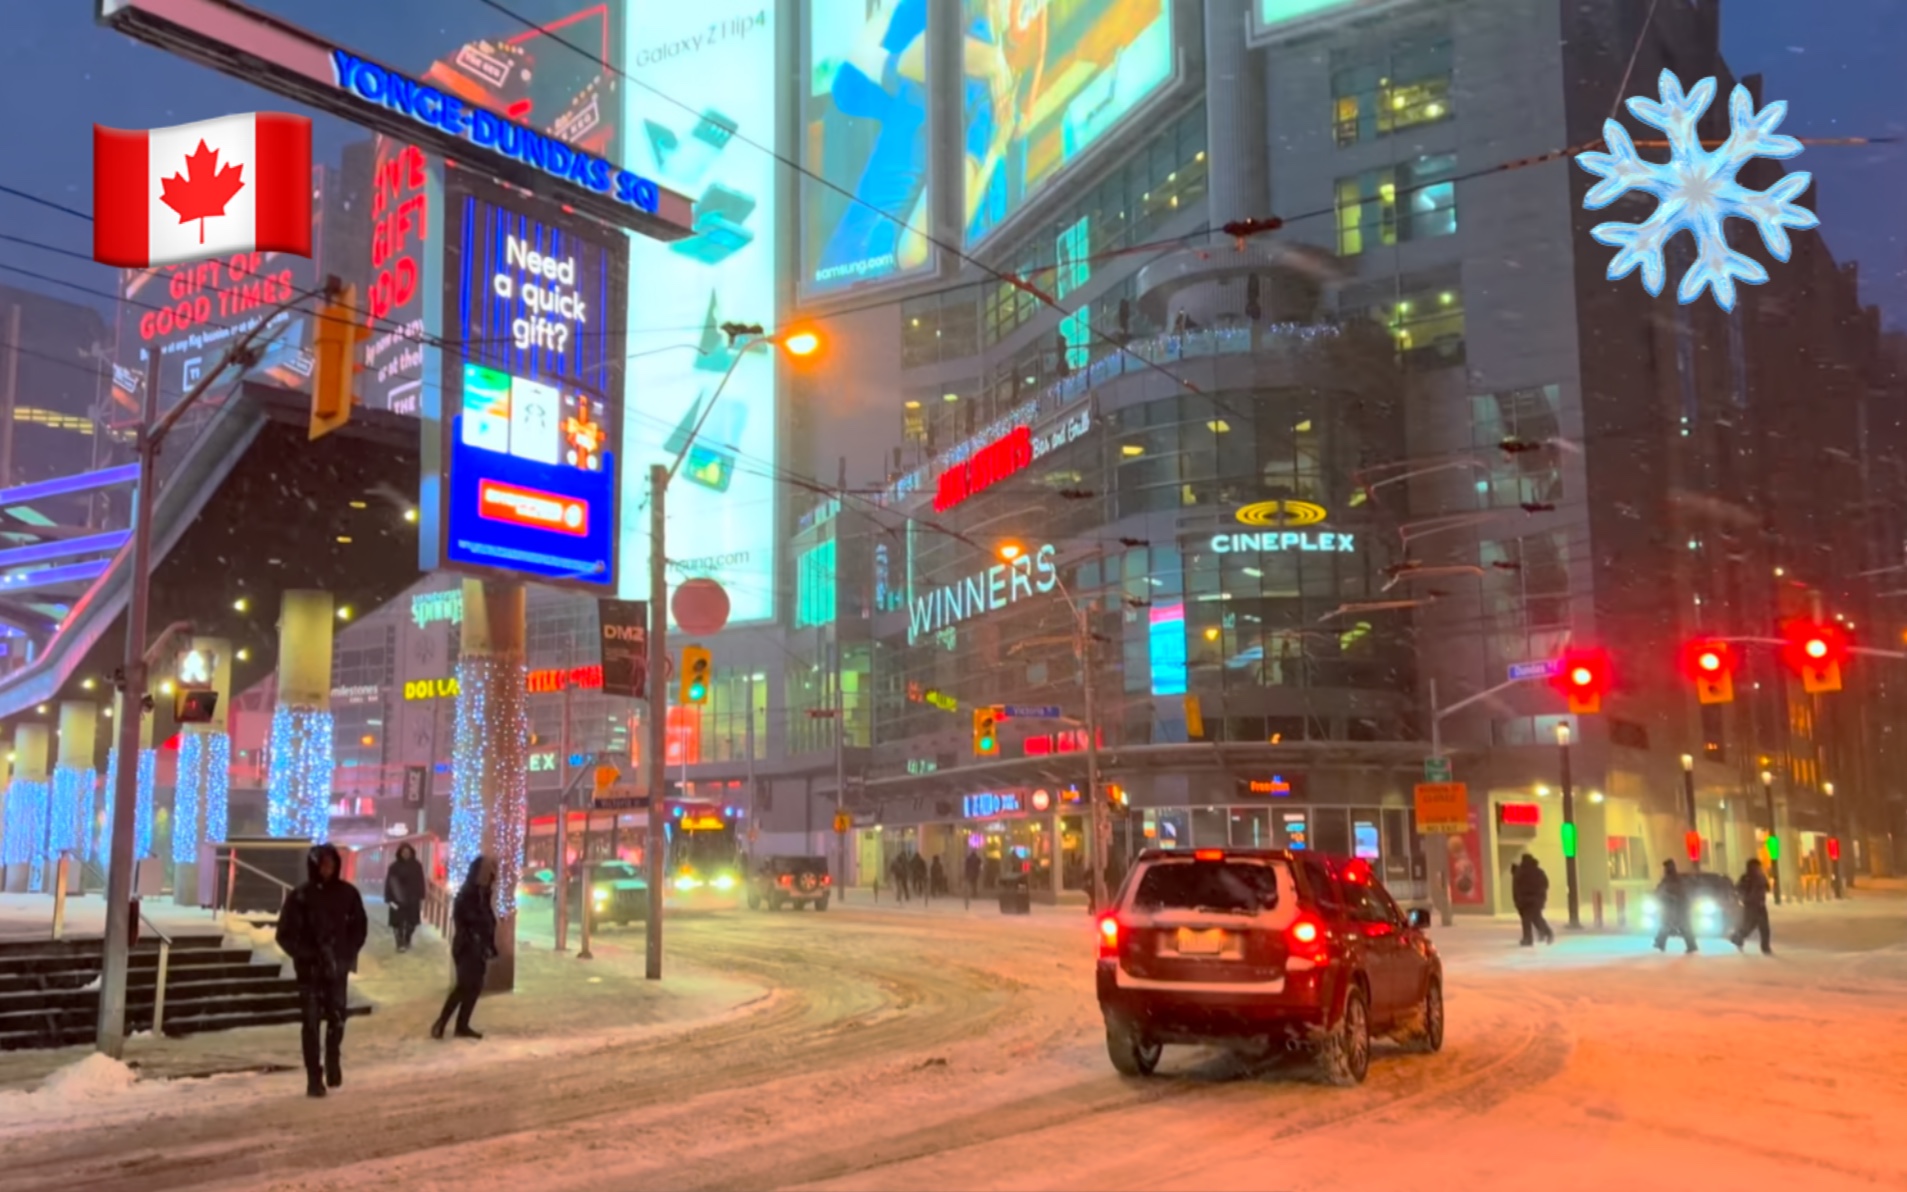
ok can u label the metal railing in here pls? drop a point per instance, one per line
(165, 964)
(436, 911)
(233, 865)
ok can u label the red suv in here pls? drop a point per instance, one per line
(1289, 948)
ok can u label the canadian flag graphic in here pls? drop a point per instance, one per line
(235, 184)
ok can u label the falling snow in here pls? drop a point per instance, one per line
(1696, 191)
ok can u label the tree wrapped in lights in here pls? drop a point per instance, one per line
(26, 812)
(298, 788)
(187, 795)
(73, 812)
(214, 824)
(487, 752)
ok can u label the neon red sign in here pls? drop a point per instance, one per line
(398, 213)
(1521, 815)
(556, 679)
(1012, 452)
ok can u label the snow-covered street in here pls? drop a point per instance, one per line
(882, 1047)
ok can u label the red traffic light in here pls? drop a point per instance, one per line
(1694, 842)
(1711, 664)
(1834, 848)
(1583, 677)
(1816, 651)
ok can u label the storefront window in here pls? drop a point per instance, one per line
(1209, 827)
(1251, 828)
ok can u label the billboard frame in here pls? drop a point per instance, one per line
(1258, 34)
(434, 536)
(1188, 52)
(298, 65)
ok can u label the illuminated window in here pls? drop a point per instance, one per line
(1422, 312)
(1409, 85)
(1528, 417)
(1402, 202)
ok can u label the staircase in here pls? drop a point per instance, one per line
(49, 992)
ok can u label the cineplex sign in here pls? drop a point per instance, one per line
(1278, 525)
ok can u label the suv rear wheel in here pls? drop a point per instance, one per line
(1344, 1055)
(1131, 1052)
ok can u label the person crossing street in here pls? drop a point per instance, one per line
(322, 928)
(1753, 888)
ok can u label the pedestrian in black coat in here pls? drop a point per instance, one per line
(936, 878)
(404, 895)
(1529, 893)
(473, 945)
(973, 873)
(1672, 899)
(322, 928)
(1753, 887)
(917, 873)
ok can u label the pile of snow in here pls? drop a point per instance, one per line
(91, 1079)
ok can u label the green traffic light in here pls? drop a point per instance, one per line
(1569, 840)
(986, 744)
(697, 692)
(1774, 848)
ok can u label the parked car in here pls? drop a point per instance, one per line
(790, 881)
(1267, 947)
(1714, 905)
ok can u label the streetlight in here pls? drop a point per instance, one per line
(1834, 823)
(1101, 833)
(1569, 829)
(802, 343)
(1774, 842)
(1688, 799)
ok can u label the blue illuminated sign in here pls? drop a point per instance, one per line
(991, 805)
(428, 106)
(531, 416)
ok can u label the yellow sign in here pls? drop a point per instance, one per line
(702, 823)
(1281, 514)
(417, 689)
(1443, 808)
(606, 777)
(842, 822)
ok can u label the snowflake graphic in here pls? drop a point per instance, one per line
(1696, 191)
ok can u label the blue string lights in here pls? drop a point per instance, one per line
(492, 735)
(215, 825)
(26, 825)
(73, 813)
(142, 809)
(298, 789)
(186, 797)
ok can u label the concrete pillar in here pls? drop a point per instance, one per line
(76, 823)
(1059, 855)
(199, 808)
(29, 797)
(490, 753)
(298, 789)
(1235, 142)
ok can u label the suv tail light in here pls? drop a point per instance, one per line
(786, 879)
(1305, 938)
(1208, 854)
(1108, 938)
(827, 879)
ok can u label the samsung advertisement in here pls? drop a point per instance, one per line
(703, 89)
(532, 413)
(1044, 83)
(864, 130)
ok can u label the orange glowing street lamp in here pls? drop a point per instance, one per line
(803, 342)
(1010, 551)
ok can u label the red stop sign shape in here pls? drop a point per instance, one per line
(700, 606)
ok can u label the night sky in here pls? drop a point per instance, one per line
(60, 73)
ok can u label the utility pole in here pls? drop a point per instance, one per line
(1569, 830)
(1688, 803)
(1101, 822)
(114, 961)
(658, 713)
(1774, 842)
(1436, 844)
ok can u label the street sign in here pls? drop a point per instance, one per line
(621, 803)
(416, 785)
(1436, 769)
(1443, 808)
(842, 822)
(1030, 711)
(1542, 668)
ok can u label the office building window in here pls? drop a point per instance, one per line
(1530, 473)
(1406, 86)
(1412, 200)
(1422, 312)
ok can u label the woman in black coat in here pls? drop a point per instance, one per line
(473, 943)
(404, 895)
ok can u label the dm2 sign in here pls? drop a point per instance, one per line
(531, 417)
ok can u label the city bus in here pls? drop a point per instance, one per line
(702, 864)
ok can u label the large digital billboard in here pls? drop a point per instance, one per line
(864, 130)
(712, 70)
(1044, 82)
(531, 413)
(1293, 18)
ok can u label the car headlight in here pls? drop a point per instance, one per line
(687, 883)
(601, 896)
(724, 882)
(1651, 910)
(1705, 910)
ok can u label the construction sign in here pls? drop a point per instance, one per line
(1443, 808)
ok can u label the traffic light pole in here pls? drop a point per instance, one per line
(1774, 842)
(1101, 823)
(115, 957)
(657, 681)
(1569, 830)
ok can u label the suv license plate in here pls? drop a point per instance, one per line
(1193, 942)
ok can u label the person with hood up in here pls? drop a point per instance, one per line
(917, 874)
(936, 878)
(1671, 899)
(322, 928)
(1529, 891)
(1753, 887)
(404, 895)
(473, 944)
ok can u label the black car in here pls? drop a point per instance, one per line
(1714, 905)
(790, 881)
(618, 893)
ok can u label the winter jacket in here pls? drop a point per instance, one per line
(1529, 886)
(322, 925)
(404, 880)
(1672, 895)
(475, 919)
(973, 867)
(1754, 889)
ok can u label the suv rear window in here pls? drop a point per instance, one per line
(1246, 886)
(799, 865)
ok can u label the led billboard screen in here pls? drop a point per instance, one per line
(531, 413)
(715, 64)
(1289, 18)
(864, 129)
(1044, 82)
